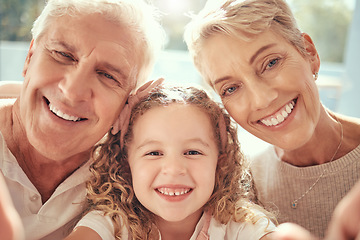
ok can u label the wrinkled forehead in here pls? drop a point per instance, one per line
(109, 42)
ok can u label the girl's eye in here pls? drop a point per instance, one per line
(154, 153)
(192, 152)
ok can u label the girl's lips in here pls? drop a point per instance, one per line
(173, 191)
(280, 116)
(173, 194)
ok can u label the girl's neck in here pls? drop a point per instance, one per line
(182, 230)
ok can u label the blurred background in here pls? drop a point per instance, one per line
(334, 26)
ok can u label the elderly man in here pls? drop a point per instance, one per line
(86, 56)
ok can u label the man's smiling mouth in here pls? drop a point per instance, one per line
(62, 115)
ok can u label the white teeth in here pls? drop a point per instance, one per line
(62, 115)
(173, 192)
(280, 116)
(285, 114)
(288, 109)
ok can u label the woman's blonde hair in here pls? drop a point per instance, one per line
(244, 19)
(110, 190)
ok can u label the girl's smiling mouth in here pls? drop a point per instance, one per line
(173, 191)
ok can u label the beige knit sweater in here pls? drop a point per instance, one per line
(279, 184)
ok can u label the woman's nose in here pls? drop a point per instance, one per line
(261, 94)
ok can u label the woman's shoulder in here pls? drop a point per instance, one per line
(351, 128)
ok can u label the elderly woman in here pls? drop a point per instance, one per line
(264, 69)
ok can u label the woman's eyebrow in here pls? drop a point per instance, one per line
(252, 59)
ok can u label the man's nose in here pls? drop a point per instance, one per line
(77, 84)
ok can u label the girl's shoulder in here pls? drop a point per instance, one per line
(251, 230)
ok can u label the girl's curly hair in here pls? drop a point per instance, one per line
(110, 189)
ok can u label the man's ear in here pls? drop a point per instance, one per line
(28, 58)
(311, 53)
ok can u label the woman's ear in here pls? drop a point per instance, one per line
(311, 53)
(28, 57)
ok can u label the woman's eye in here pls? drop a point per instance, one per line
(272, 63)
(192, 152)
(228, 91)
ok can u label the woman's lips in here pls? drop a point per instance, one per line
(280, 116)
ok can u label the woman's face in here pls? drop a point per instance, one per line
(266, 85)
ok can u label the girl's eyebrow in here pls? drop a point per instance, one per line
(147, 142)
(198, 140)
(252, 59)
(191, 140)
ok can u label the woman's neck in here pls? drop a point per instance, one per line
(325, 145)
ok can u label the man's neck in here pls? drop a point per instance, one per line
(44, 173)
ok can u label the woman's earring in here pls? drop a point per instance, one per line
(316, 75)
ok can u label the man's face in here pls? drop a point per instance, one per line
(76, 83)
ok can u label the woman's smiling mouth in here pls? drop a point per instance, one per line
(280, 116)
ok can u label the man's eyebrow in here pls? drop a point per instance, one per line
(63, 44)
(252, 59)
(105, 64)
(116, 70)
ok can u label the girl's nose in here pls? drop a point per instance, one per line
(173, 165)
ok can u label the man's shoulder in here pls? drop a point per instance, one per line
(6, 102)
(6, 106)
(5, 111)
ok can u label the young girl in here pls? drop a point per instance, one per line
(174, 172)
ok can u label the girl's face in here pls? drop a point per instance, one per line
(173, 158)
(266, 85)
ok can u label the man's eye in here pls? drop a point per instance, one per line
(192, 152)
(108, 76)
(64, 54)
